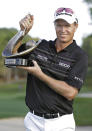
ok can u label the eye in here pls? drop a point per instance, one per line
(58, 25)
(67, 25)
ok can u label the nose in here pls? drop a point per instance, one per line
(62, 29)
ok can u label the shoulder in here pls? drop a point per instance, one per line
(81, 57)
(44, 43)
(80, 53)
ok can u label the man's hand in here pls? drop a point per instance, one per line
(26, 23)
(35, 70)
(58, 86)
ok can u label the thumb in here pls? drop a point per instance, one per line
(35, 63)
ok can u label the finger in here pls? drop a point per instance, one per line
(22, 67)
(30, 17)
(22, 25)
(24, 22)
(35, 63)
(27, 24)
(26, 67)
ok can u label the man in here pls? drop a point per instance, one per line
(50, 95)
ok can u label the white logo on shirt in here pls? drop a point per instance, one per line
(64, 65)
(42, 58)
(77, 78)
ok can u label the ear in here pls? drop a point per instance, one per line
(76, 26)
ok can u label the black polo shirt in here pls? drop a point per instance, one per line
(69, 65)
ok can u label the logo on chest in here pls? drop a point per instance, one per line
(43, 58)
(64, 65)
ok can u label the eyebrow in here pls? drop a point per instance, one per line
(61, 24)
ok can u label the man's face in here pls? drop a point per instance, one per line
(65, 31)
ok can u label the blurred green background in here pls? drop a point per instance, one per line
(12, 102)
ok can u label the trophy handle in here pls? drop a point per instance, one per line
(13, 44)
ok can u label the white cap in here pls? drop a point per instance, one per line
(66, 14)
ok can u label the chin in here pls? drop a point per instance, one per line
(63, 41)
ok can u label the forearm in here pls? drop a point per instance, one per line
(60, 87)
(15, 49)
(25, 25)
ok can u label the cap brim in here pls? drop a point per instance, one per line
(68, 19)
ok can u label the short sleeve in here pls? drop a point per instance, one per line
(78, 72)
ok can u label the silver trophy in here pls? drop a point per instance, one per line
(18, 58)
(15, 58)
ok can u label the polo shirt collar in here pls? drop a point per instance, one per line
(70, 47)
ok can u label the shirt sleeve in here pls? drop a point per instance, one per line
(78, 72)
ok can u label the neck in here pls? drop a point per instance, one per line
(61, 45)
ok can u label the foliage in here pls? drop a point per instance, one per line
(83, 111)
(87, 46)
(90, 12)
(88, 1)
(5, 35)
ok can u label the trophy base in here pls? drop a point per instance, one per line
(13, 62)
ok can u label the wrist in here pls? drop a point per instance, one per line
(41, 75)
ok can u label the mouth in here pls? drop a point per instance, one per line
(63, 35)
